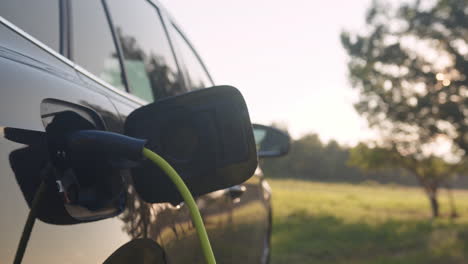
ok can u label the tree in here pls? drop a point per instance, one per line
(305, 160)
(431, 172)
(410, 70)
(409, 67)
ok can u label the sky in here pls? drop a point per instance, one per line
(284, 56)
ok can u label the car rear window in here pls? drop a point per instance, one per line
(150, 64)
(93, 46)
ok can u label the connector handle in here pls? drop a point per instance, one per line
(106, 143)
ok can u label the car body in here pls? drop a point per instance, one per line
(101, 60)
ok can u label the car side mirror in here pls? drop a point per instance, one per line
(206, 135)
(270, 141)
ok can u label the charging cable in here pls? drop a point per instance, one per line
(189, 201)
(28, 226)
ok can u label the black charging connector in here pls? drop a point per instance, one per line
(104, 143)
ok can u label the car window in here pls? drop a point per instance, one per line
(40, 19)
(93, 47)
(195, 74)
(148, 58)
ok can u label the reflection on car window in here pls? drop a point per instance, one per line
(195, 74)
(259, 135)
(38, 18)
(148, 59)
(93, 45)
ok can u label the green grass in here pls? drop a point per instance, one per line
(345, 223)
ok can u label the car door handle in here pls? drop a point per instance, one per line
(236, 191)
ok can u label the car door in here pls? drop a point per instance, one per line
(37, 83)
(151, 72)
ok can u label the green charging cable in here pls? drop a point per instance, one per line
(189, 201)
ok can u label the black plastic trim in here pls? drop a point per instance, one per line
(117, 46)
(65, 28)
(177, 60)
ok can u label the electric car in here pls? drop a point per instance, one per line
(88, 64)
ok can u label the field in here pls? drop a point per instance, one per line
(367, 223)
